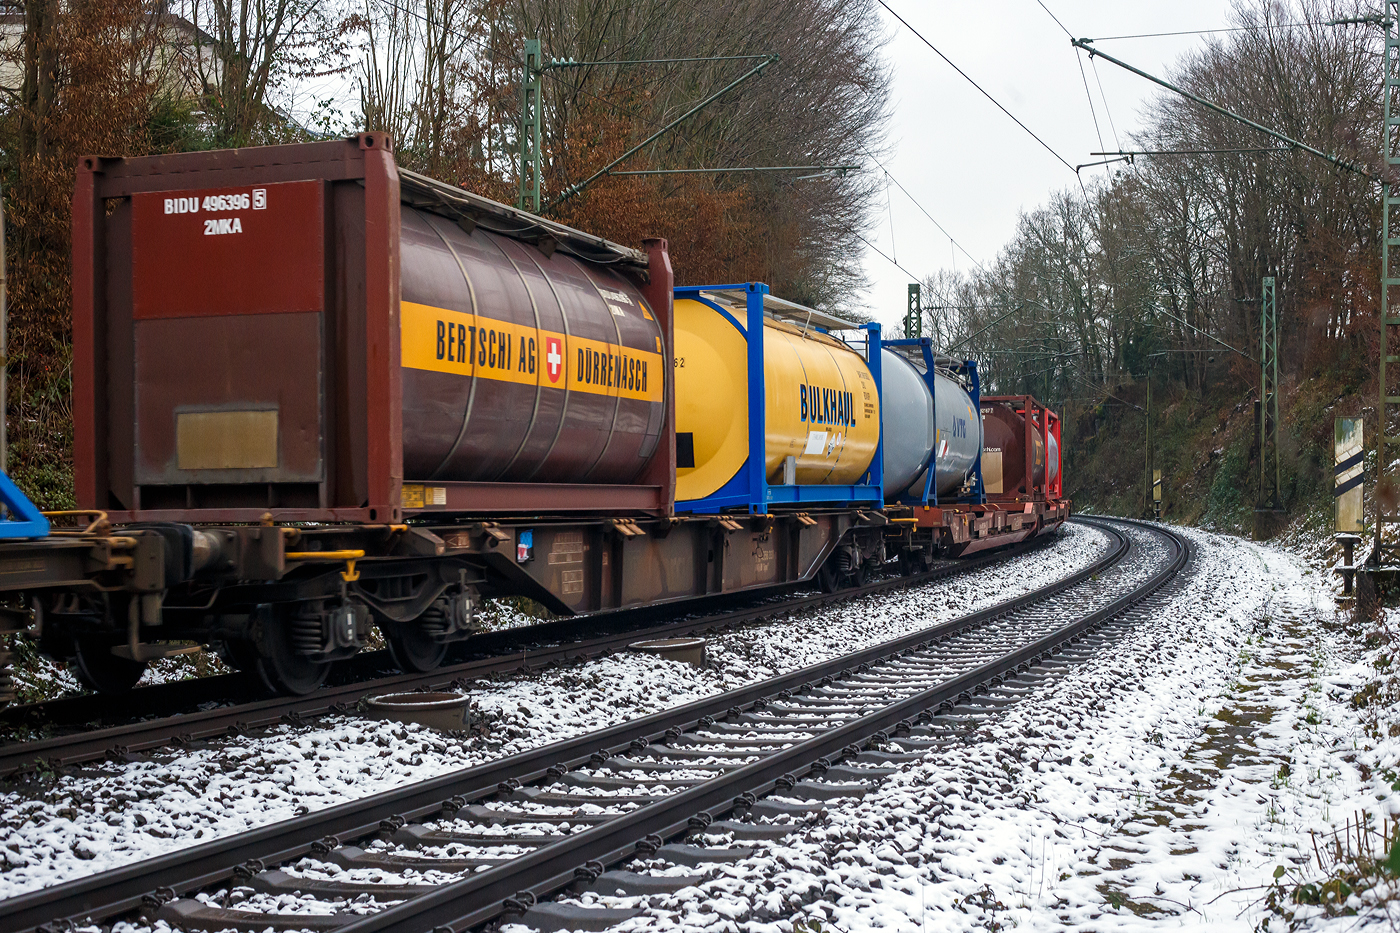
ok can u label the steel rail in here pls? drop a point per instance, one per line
(480, 897)
(118, 890)
(145, 735)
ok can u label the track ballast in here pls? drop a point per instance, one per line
(743, 766)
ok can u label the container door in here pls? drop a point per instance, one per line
(228, 295)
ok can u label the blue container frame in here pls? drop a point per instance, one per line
(968, 370)
(749, 487)
(25, 520)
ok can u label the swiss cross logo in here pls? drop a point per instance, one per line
(554, 358)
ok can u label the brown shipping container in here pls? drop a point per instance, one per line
(298, 330)
(1014, 449)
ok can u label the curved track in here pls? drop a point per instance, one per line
(525, 648)
(470, 847)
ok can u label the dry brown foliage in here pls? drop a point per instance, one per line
(712, 230)
(114, 78)
(823, 102)
(98, 96)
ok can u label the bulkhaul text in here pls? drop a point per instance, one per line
(827, 406)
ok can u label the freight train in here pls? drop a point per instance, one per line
(315, 393)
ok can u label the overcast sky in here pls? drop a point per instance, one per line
(965, 161)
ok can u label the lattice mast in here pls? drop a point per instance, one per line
(914, 312)
(1149, 452)
(1387, 438)
(1269, 497)
(528, 198)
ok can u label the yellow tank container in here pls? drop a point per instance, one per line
(822, 407)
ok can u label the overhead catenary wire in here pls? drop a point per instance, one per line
(802, 195)
(1206, 335)
(889, 209)
(571, 63)
(579, 186)
(987, 328)
(742, 169)
(933, 220)
(873, 248)
(1092, 111)
(1083, 77)
(916, 203)
(968, 78)
(1104, 97)
(1055, 18)
(1158, 152)
(951, 240)
(941, 229)
(1087, 45)
(1074, 375)
(881, 254)
(1090, 98)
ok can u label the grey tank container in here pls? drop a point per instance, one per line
(913, 429)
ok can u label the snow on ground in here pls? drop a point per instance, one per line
(1172, 782)
(1178, 780)
(112, 814)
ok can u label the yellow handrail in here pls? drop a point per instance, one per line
(349, 574)
(325, 555)
(99, 518)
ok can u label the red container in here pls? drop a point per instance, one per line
(300, 330)
(1020, 440)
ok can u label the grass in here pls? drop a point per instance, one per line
(1356, 866)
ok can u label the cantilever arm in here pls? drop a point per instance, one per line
(1087, 45)
(575, 189)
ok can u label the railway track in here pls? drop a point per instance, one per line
(495, 841)
(499, 652)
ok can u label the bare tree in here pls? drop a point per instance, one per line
(40, 88)
(1156, 268)
(412, 74)
(444, 77)
(240, 52)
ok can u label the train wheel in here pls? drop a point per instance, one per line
(289, 673)
(239, 654)
(284, 670)
(914, 562)
(101, 670)
(832, 576)
(412, 649)
(860, 575)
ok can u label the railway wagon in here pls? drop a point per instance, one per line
(315, 392)
(1013, 489)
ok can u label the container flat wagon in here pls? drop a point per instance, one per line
(315, 393)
